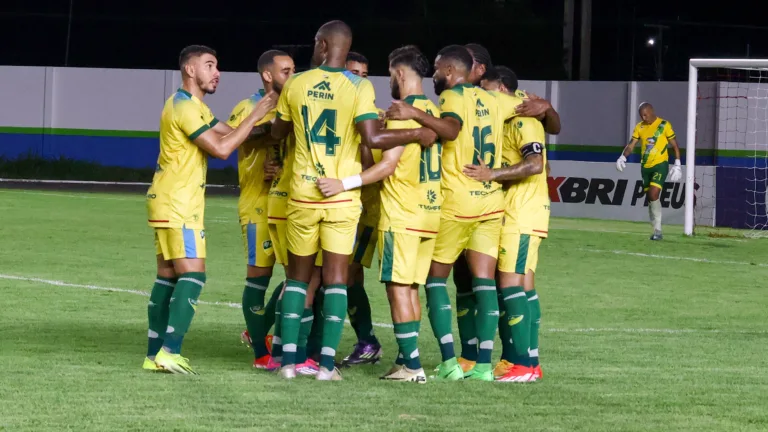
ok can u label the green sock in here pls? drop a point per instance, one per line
(182, 309)
(315, 341)
(505, 334)
(487, 317)
(359, 309)
(157, 313)
(518, 320)
(535, 307)
(334, 311)
(439, 309)
(306, 327)
(277, 341)
(254, 313)
(407, 338)
(465, 318)
(290, 315)
(271, 307)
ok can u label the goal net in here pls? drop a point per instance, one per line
(727, 145)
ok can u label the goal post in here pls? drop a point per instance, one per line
(761, 67)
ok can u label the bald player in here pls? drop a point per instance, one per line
(655, 135)
(327, 108)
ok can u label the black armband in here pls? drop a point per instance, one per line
(532, 149)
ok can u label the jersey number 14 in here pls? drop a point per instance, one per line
(327, 121)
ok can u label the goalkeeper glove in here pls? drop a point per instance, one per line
(677, 172)
(621, 163)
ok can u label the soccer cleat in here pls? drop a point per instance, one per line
(328, 375)
(407, 375)
(364, 353)
(481, 372)
(449, 370)
(173, 363)
(657, 236)
(502, 367)
(273, 365)
(466, 365)
(262, 362)
(394, 369)
(288, 372)
(308, 368)
(246, 339)
(150, 365)
(537, 372)
(519, 373)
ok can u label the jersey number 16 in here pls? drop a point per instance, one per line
(482, 148)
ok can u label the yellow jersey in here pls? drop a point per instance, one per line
(411, 197)
(324, 105)
(526, 200)
(482, 115)
(654, 139)
(281, 184)
(369, 197)
(176, 197)
(252, 204)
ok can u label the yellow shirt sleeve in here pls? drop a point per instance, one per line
(507, 104)
(636, 132)
(365, 107)
(237, 115)
(530, 133)
(283, 103)
(668, 131)
(451, 105)
(189, 118)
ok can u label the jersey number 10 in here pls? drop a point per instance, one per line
(426, 171)
(482, 147)
(327, 120)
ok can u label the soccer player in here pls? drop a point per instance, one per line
(655, 135)
(526, 223)
(275, 67)
(328, 106)
(176, 202)
(367, 350)
(410, 203)
(471, 128)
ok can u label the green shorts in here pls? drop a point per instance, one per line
(655, 175)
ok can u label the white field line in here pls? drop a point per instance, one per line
(100, 197)
(671, 257)
(384, 325)
(88, 182)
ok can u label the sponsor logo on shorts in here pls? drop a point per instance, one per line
(267, 244)
(259, 211)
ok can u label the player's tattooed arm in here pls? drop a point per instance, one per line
(376, 138)
(220, 146)
(532, 164)
(447, 128)
(379, 171)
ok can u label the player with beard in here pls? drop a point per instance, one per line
(189, 133)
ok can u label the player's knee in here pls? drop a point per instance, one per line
(653, 193)
(255, 272)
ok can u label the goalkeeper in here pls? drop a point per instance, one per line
(655, 135)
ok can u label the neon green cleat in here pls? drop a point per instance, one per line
(173, 363)
(150, 365)
(449, 370)
(481, 372)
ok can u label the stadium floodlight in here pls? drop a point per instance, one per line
(735, 132)
(651, 41)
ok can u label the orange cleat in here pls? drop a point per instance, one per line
(501, 369)
(518, 373)
(537, 372)
(466, 365)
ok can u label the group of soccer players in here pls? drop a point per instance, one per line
(326, 178)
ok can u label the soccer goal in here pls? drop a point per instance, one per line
(727, 145)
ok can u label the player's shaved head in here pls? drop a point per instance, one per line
(332, 43)
(452, 66)
(481, 61)
(268, 58)
(647, 112)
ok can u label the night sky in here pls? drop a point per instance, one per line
(526, 35)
